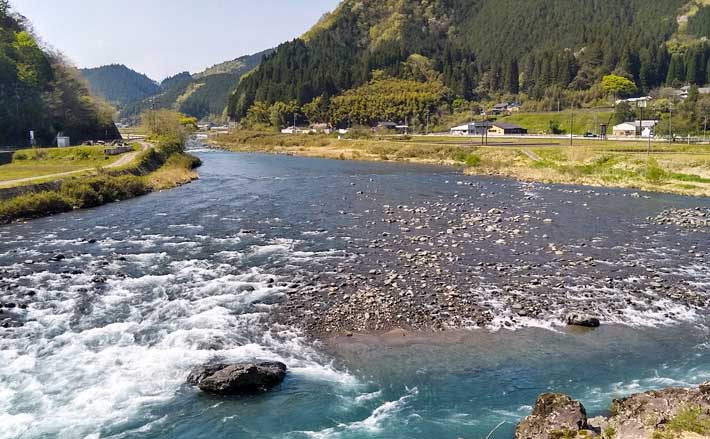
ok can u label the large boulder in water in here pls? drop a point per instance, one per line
(555, 415)
(237, 379)
(584, 320)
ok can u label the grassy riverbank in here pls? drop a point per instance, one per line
(161, 167)
(48, 161)
(681, 169)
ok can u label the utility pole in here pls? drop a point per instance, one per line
(670, 124)
(705, 129)
(427, 122)
(571, 130)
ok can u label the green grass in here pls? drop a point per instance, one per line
(539, 123)
(29, 163)
(172, 169)
(688, 420)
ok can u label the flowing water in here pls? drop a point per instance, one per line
(108, 309)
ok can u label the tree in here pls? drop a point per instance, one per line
(164, 123)
(258, 114)
(618, 85)
(316, 111)
(623, 112)
(281, 113)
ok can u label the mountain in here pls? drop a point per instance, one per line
(119, 85)
(203, 95)
(485, 49)
(40, 91)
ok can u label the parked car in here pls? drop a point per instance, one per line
(589, 134)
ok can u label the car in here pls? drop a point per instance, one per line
(590, 135)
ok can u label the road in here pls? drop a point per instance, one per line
(122, 161)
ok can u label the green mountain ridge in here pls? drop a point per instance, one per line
(202, 95)
(41, 92)
(119, 84)
(483, 49)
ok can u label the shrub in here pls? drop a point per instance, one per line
(33, 206)
(473, 161)
(81, 193)
(654, 173)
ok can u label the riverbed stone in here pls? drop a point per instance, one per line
(583, 320)
(239, 378)
(554, 416)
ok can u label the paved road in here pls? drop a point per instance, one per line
(124, 160)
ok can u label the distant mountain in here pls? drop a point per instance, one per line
(41, 92)
(203, 95)
(119, 85)
(481, 49)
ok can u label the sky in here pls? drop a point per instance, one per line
(163, 37)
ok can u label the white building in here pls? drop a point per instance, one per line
(631, 129)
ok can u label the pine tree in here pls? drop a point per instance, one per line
(676, 73)
(511, 82)
(691, 67)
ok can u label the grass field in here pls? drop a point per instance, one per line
(678, 168)
(48, 161)
(584, 121)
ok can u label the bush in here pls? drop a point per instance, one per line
(473, 161)
(654, 173)
(81, 193)
(33, 206)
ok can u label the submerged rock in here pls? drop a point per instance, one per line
(555, 415)
(236, 379)
(584, 320)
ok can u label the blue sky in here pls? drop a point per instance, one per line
(164, 37)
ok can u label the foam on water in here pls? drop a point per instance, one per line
(74, 371)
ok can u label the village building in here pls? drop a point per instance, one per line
(471, 129)
(636, 128)
(325, 128)
(506, 129)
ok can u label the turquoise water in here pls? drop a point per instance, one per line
(151, 287)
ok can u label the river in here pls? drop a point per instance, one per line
(106, 310)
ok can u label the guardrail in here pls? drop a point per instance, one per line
(118, 150)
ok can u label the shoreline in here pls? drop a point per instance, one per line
(153, 169)
(515, 161)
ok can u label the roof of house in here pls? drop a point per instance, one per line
(508, 126)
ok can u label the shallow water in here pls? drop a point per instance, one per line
(181, 277)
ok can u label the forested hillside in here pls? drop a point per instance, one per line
(39, 91)
(545, 50)
(203, 95)
(119, 85)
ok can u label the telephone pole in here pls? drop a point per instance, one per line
(571, 130)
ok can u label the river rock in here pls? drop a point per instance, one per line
(555, 415)
(236, 379)
(646, 415)
(584, 320)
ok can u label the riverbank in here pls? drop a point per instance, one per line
(671, 413)
(678, 169)
(156, 167)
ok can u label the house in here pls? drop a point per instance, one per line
(506, 129)
(471, 129)
(386, 126)
(321, 128)
(499, 108)
(505, 107)
(643, 101)
(645, 128)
